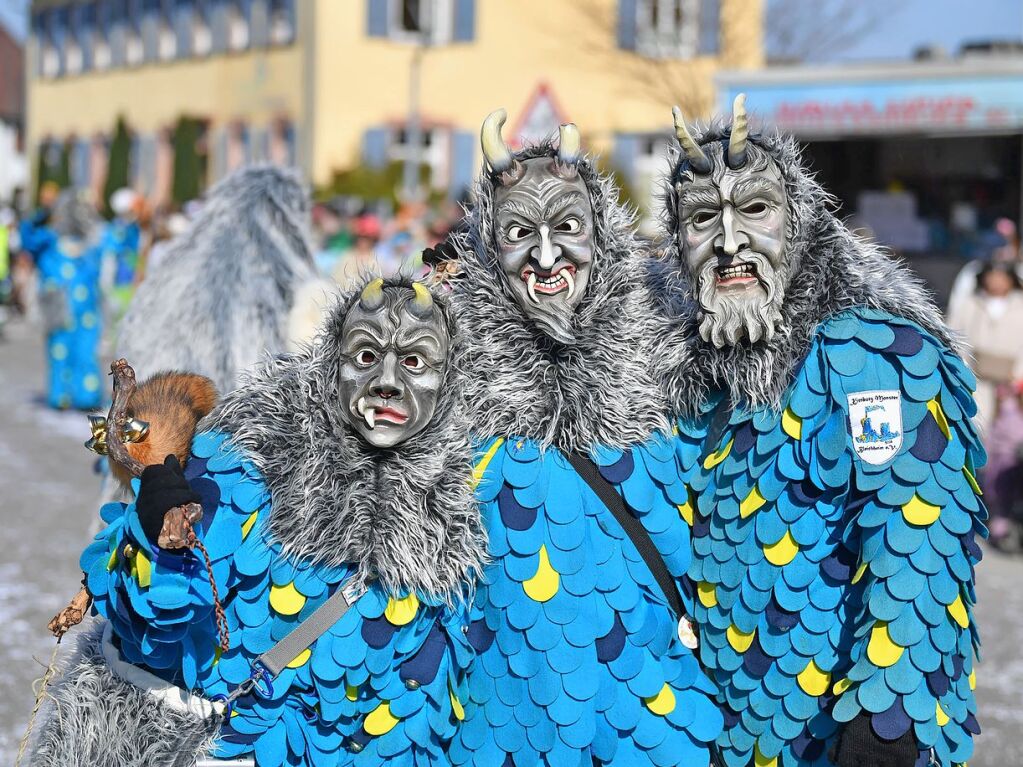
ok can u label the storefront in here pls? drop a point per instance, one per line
(923, 155)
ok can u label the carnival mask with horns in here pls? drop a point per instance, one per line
(395, 343)
(543, 226)
(733, 217)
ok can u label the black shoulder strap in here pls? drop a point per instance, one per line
(633, 528)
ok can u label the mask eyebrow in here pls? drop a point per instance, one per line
(700, 196)
(561, 203)
(521, 209)
(747, 187)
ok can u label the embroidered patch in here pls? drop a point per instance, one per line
(875, 418)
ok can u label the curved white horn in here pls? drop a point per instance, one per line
(740, 130)
(695, 154)
(495, 151)
(570, 145)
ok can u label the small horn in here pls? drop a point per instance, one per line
(736, 156)
(496, 152)
(694, 153)
(570, 145)
(423, 302)
(372, 296)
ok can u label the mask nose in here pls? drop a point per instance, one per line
(388, 384)
(548, 253)
(732, 238)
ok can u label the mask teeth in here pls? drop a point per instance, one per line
(531, 287)
(368, 413)
(567, 274)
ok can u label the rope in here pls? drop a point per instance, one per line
(43, 683)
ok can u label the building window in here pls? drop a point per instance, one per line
(433, 152)
(49, 57)
(282, 22)
(410, 19)
(101, 54)
(667, 28)
(237, 28)
(202, 34)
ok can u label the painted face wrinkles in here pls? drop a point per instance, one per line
(392, 374)
(544, 233)
(733, 226)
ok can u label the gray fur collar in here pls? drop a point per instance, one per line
(406, 515)
(519, 382)
(835, 271)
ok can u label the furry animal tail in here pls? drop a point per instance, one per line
(172, 403)
(92, 718)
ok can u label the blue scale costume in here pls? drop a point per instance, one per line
(580, 661)
(69, 271)
(828, 586)
(385, 682)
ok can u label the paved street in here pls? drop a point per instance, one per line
(47, 498)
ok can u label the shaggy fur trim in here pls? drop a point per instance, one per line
(92, 717)
(406, 515)
(221, 295)
(518, 381)
(834, 270)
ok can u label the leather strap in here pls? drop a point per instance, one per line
(633, 528)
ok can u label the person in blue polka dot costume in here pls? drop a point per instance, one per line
(828, 455)
(70, 301)
(344, 466)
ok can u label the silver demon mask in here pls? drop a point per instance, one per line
(395, 345)
(543, 227)
(733, 233)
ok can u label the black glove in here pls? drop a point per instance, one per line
(163, 487)
(858, 745)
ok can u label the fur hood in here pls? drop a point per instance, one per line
(407, 514)
(598, 390)
(220, 296)
(834, 270)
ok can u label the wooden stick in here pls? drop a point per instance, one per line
(118, 417)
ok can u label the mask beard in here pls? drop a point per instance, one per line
(730, 317)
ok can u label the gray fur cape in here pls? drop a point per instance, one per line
(517, 381)
(407, 514)
(832, 270)
(221, 295)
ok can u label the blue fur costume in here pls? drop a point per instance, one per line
(383, 683)
(827, 586)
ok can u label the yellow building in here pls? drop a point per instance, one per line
(325, 84)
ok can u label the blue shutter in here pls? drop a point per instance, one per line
(463, 157)
(118, 18)
(218, 25)
(39, 33)
(182, 21)
(259, 23)
(623, 156)
(710, 27)
(465, 21)
(86, 25)
(627, 24)
(376, 18)
(59, 32)
(79, 163)
(150, 27)
(374, 148)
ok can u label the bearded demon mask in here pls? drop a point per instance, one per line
(733, 224)
(543, 227)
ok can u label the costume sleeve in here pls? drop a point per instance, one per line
(912, 519)
(161, 603)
